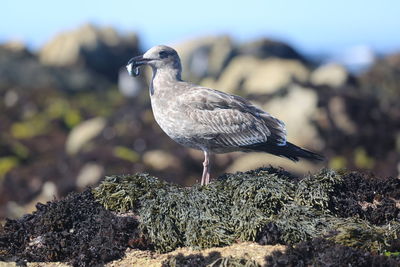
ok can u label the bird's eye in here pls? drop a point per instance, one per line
(163, 54)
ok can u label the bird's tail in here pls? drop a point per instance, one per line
(289, 151)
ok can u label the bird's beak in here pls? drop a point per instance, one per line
(134, 64)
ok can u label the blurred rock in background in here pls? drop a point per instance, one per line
(64, 124)
(102, 50)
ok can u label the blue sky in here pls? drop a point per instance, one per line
(313, 26)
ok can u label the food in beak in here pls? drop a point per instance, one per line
(133, 70)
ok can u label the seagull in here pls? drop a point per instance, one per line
(209, 120)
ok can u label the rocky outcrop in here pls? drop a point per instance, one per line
(248, 75)
(343, 218)
(21, 70)
(332, 75)
(101, 49)
(205, 56)
(266, 48)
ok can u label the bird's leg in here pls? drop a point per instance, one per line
(208, 175)
(205, 178)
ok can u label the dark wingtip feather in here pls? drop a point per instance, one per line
(302, 153)
(289, 151)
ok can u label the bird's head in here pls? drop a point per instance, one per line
(158, 57)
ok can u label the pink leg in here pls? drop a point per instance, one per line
(205, 178)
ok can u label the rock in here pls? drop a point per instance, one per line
(83, 133)
(265, 48)
(205, 57)
(160, 160)
(16, 46)
(11, 98)
(333, 75)
(297, 110)
(234, 75)
(274, 74)
(340, 115)
(21, 70)
(383, 80)
(256, 76)
(102, 50)
(90, 174)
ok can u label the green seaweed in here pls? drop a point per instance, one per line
(189, 217)
(316, 190)
(301, 223)
(264, 204)
(360, 234)
(122, 192)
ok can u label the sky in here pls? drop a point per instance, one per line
(313, 26)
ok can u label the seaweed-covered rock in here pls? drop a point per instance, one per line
(266, 205)
(76, 229)
(299, 223)
(193, 217)
(360, 234)
(317, 190)
(212, 260)
(321, 252)
(371, 198)
(122, 193)
(267, 189)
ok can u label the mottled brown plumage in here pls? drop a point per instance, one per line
(207, 119)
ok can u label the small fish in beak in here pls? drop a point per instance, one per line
(133, 71)
(134, 64)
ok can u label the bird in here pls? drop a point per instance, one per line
(207, 119)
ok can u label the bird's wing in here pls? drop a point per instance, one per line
(231, 120)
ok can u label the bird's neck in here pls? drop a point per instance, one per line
(163, 79)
